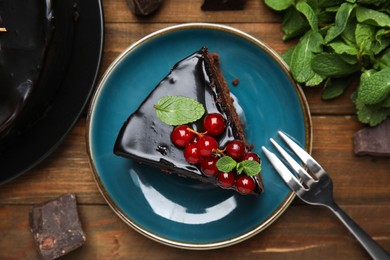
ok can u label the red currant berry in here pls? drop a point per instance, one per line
(181, 136)
(208, 166)
(245, 184)
(214, 124)
(226, 179)
(206, 145)
(235, 149)
(191, 153)
(251, 156)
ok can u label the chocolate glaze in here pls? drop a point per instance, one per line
(146, 139)
(34, 55)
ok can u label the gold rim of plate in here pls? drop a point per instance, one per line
(179, 244)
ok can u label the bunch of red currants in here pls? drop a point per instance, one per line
(202, 149)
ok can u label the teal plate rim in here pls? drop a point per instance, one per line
(99, 175)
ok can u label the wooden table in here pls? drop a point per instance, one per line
(362, 184)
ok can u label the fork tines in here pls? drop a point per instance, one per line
(285, 173)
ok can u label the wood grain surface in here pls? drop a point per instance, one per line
(362, 184)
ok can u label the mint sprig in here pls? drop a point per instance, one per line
(251, 168)
(178, 110)
(228, 164)
(338, 41)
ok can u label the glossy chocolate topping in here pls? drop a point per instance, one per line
(146, 139)
(34, 54)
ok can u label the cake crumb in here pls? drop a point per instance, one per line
(235, 82)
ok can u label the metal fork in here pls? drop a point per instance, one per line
(317, 190)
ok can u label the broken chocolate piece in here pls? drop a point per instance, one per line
(144, 7)
(56, 227)
(219, 5)
(373, 141)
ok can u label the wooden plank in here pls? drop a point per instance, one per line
(305, 232)
(121, 35)
(184, 11)
(67, 170)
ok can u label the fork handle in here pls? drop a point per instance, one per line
(372, 247)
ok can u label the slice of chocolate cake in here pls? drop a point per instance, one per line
(212, 147)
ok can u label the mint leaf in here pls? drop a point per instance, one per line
(287, 55)
(315, 80)
(364, 35)
(293, 24)
(303, 54)
(331, 65)
(382, 40)
(371, 114)
(350, 59)
(373, 17)
(372, 108)
(341, 21)
(250, 168)
(226, 164)
(239, 168)
(340, 47)
(382, 33)
(334, 87)
(383, 61)
(309, 13)
(374, 86)
(340, 39)
(278, 5)
(177, 110)
(348, 35)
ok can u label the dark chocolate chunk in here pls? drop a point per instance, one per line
(56, 227)
(144, 7)
(219, 5)
(373, 140)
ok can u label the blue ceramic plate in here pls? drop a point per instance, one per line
(182, 212)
